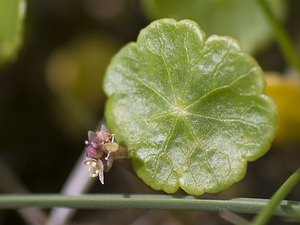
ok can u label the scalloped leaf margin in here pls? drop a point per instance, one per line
(190, 109)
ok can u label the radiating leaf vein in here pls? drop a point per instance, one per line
(163, 151)
(203, 148)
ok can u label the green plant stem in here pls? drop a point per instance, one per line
(168, 202)
(283, 39)
(264, 216)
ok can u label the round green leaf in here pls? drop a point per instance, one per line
(190, 110)
(243, 20)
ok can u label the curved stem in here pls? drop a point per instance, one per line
(281, 193)
(168, 202)
(282, 37)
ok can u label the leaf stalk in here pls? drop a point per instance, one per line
(165, 202)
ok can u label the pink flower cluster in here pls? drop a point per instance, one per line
(98, 150)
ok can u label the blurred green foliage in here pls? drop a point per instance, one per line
(74, 74)
(12, 14)
(242, 20)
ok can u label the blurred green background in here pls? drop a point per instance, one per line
(51, 95)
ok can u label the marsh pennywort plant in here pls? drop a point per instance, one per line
(189, 125)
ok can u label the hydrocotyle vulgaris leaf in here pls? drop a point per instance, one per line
(190, 109)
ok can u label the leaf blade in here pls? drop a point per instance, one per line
(191, 117)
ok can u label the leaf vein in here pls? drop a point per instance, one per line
(167, 69)
(165, 146)
(224, 120)
(189, 66)
(219, 88)
(205, 152)
(155, 91)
